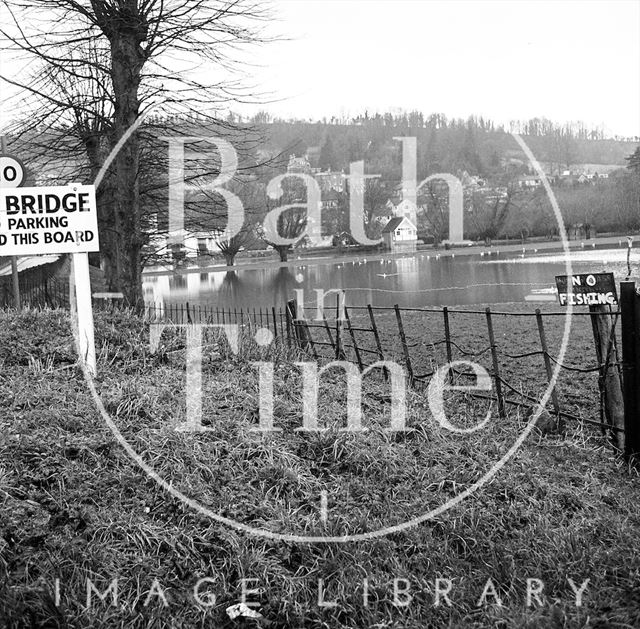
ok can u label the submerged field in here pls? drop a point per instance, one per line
(74, 506)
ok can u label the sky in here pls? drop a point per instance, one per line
(564, 59)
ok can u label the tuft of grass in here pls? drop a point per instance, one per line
(74, 507)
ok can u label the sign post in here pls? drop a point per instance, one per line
(15, 282)
(630, 307)
(598, 291)
(60, 219)
(12, 174)
(82, 284)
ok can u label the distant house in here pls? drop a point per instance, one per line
(471, 182)
(192, 243)
(529, 181)
(404, 208)
(330, 180)
(299, 165)
(330, 200)
(399, 231)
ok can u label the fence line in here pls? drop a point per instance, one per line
(503, 384)
(367, 334)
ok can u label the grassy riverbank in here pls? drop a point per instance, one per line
(74, 506)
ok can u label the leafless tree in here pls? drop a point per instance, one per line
(433, 211)
(96, 66)
(291, 224)
(489, 213)
(376, 196)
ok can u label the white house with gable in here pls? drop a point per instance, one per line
(399, 231)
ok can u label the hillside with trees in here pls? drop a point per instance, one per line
(475, 145)
(483, 155)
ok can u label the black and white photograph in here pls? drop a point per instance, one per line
(320, 314)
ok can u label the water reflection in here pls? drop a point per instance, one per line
(282, 285)
(418, 280)
(231, 287)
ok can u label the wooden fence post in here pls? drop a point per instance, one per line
(291, 316)
(496, 366)
(287, 317)
(308, 337)
(376, 336)
(547, 362)
(301, 332)
(405, 347)
(356, 349)
(15, 283)
(275, 322)
(630, 312)
(609, 380)
(328, 330)
(447, 334)
(340, 355)
(447, 343)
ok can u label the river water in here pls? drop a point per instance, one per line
(422, 279)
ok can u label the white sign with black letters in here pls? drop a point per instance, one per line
(60, 219)
(12, 171)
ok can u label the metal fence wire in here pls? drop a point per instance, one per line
(520, 357)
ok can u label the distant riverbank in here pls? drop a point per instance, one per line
(306, 257)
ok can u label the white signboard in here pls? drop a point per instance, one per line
(61, 219)
(11, 171)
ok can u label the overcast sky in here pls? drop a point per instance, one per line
(509, 59)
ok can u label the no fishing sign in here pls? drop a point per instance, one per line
(60, 219)
(587, 289)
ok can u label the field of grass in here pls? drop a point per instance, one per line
(76, 511)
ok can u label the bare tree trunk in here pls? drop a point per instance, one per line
(127, 59)
(283, 252)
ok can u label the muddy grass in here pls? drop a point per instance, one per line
(76, 510)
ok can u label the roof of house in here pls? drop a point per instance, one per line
(394, 223)
(26, 262)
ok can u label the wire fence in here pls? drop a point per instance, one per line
(520, 350)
